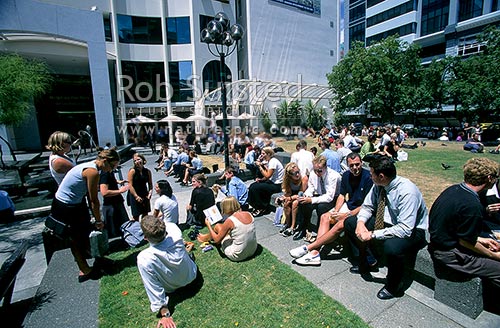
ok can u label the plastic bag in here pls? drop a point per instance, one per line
(99, 245)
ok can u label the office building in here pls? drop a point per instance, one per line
(113, 60)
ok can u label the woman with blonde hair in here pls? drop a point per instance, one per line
(293, 183)
(236, 236)
(70, 207)
(59, 144)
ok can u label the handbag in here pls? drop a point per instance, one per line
(60, 229)
(99, 245)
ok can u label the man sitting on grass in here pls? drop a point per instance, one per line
(164, 266)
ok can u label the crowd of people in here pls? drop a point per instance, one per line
(353, 189)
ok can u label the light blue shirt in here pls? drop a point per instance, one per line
(183, 158)
(332, 159)
(196, 163)
(405, 209)
(74, 187)
(238, 189)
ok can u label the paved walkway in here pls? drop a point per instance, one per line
(416, 308)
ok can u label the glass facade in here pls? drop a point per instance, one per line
(469, 9)
(178, 30)
(356, 33)
(107, 27)
(434, 16)
(181, 74)
(391, 13)
(139, 30)
(400, 31)
(143, 81)
(357, 12)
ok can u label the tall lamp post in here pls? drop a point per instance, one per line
(222, 40)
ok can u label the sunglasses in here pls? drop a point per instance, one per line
(319, 170)
(294, 173)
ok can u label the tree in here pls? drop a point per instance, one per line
(288, 114)
(20, 81)
(377, 78)
(314, 115)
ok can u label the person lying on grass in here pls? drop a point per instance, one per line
(236, 236)
(164, 266)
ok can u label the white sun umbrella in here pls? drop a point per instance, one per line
(197, 117)
(171, 118)
(140, 119)
(246, 116)
(229, 117)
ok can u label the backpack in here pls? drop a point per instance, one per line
(132, 233)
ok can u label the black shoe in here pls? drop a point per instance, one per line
(384, 294)
(94, 274)
(357, 270)
(178, 180)
(299, 235)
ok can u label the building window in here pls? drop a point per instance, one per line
(469, 46)
(391, 13)
(357, 12)
(356, 33)
(107, 27)
(204, 20)
(434, 16)
(371, 3)
(181, 74)
(469, 9)
(399, 31)
(331, 53)
(143, 81)
(211, 75)
(178, 31)
(140, 30)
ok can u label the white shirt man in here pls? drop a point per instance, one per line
(164, 266)
(303, 158)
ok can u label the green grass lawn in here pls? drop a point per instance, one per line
(263, 292)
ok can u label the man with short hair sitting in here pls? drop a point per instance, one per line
(455, 226)
(322, 189)
(355, 184)
(164, 266)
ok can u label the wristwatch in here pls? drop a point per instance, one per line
(373, 235)
(166, 315)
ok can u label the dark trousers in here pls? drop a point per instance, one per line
(398, 252)
(305, 213)
(259, 194)
(473, 265)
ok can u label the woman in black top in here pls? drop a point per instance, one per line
(140, 187)
(202, 198)
(113, 209)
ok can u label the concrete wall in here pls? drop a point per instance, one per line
(285, 42)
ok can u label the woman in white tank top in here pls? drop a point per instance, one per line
(59, 163)
(236, 236)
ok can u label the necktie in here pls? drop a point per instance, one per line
(322, 189)
(379, 217)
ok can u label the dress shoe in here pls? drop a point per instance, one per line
(384, 294)
(356, 269)
(299, 235)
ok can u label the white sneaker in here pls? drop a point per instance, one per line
(298, 251)
(309, 259)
